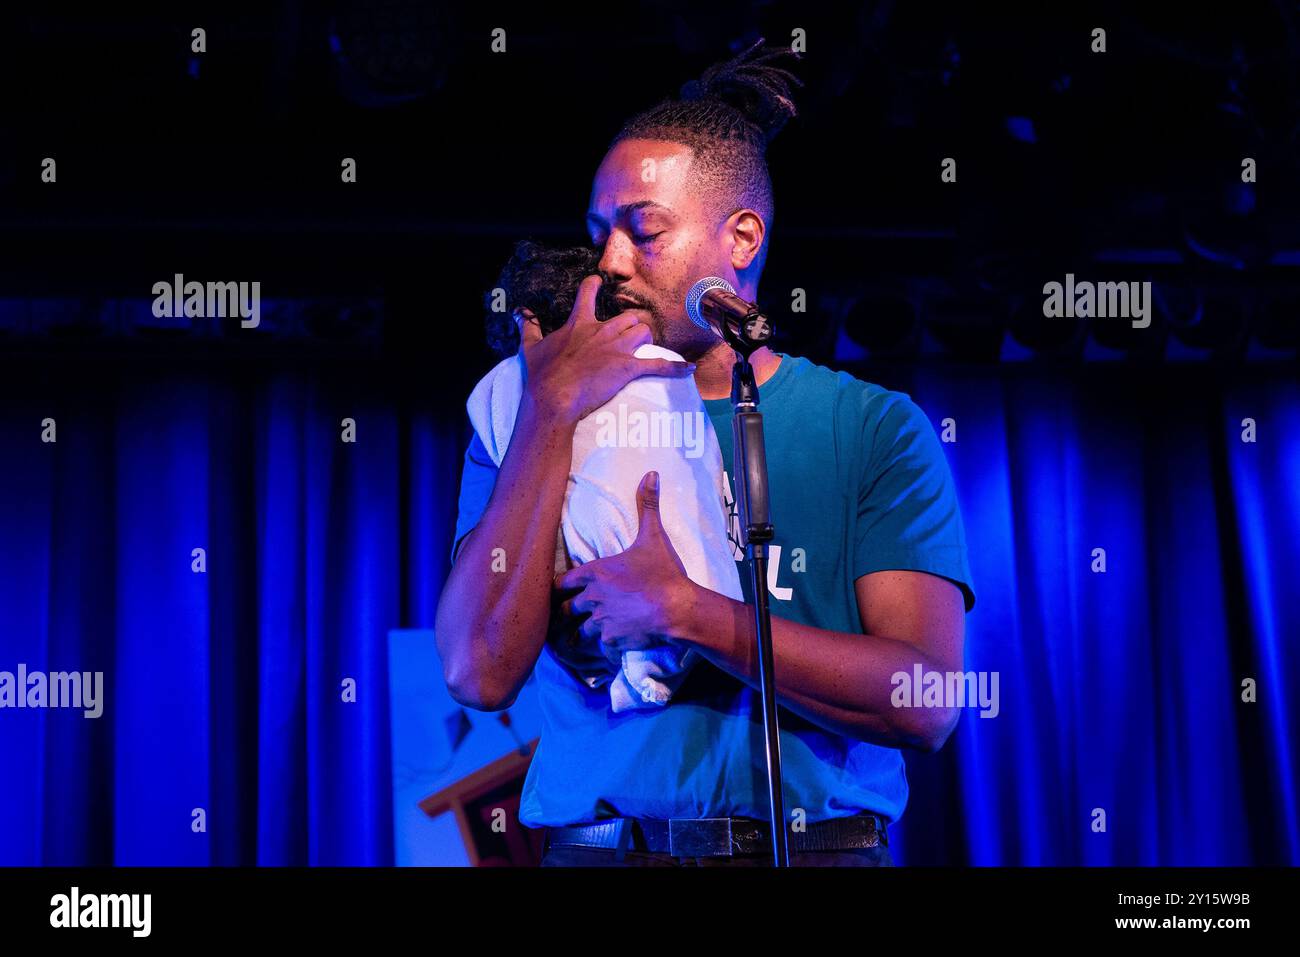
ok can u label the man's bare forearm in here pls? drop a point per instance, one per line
(839, 681)
(494, 610)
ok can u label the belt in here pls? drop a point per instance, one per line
(719, 836)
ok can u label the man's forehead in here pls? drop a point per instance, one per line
(640, 174)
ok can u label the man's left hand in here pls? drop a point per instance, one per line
(632, 598)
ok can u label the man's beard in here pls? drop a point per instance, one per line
(684, 337)
(658, 327)
(607, 308)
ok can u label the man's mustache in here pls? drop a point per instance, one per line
(608, 306)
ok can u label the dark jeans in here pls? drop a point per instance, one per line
(565, 856)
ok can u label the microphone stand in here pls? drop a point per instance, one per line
(750, 466)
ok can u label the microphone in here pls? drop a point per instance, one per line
(712, 304)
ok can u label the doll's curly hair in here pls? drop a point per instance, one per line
(544, 280)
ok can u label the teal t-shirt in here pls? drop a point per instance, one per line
(859, 483)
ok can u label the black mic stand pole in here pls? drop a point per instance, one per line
(750, 467)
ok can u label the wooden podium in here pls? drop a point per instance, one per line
(486, 805)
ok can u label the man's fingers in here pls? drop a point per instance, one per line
(575, 579)
(647, 493)
(584, 305)
(617, 325)
(530, 329)
(575, 606)
(612, 653)
(664, 367)
(635, 335)
(647, 505)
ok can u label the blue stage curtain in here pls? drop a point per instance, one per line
(224, 690)
(1120, 692)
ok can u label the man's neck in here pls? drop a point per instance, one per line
(713, 369)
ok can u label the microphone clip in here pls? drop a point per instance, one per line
(752, 333)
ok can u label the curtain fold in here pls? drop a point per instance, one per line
(1123, 738)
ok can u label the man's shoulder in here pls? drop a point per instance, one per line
(867, 403)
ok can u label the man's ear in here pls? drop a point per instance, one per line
(747, 230)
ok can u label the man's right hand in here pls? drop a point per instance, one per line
(584, 363)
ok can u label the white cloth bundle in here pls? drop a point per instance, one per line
(655, 423)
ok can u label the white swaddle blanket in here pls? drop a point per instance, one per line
(655, 423)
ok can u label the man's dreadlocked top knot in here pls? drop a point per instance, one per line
(745, 98)
(750, 85)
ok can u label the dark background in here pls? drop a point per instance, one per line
(1121, 690)
(226, 164)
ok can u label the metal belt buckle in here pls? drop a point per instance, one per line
(699, 837)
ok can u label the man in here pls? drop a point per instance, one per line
(870, 572)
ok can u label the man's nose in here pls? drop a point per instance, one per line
(616, 259)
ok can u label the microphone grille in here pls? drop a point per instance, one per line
(696, 294)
